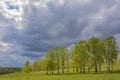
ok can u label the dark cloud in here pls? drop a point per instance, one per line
(34, 55)
(68, 22)
(61, 22)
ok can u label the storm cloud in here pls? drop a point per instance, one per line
(43, 24)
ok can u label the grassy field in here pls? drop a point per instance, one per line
(104, 75)
(66, 76)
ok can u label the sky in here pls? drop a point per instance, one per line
(30, 27)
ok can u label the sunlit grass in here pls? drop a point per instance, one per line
(67, 76)
(102, 75)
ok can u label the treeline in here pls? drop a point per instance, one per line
(85, 54)
(6, 70)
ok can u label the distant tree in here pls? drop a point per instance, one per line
(36, 65)
(41, 65)
(23, 69)
(27, 67)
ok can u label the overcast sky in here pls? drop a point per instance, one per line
(29, 27)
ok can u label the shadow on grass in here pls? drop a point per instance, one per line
(91, 72)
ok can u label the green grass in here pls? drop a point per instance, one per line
(66, 76)
(103, 75)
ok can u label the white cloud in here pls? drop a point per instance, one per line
(4, 47)
(13, 10)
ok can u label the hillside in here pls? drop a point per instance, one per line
(6, 70)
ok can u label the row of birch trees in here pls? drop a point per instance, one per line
(84, 55)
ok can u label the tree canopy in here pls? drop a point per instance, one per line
(85, 54)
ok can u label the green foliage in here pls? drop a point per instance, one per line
(83, 55)
(50, 60)
(111, 52)
(37, 65)
(27, 67)
(95, 52)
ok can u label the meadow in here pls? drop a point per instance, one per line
(66, 76)
(41, 75)
(101, 75)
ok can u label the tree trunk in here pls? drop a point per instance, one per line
(58, 66)
(73, 69)
(80, 69)
(108, 66)
(84, 69)
(99, 66)
(68, 69)
(47, 71)
(52, 72)
(63, 66)
(67, 66)
(88, 69)
(112, 65)
(96, 68)
(76, 69)
(58, 70)
(63, 69)
(89, 65)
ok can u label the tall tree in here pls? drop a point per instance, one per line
(94, 45)
(27, 66)
(64, 56)
(100, 53)
(89, 50)
(57, 57)
(35, 66)
(111, 51)
(76, 61)
(50, 60)
(72, 60)
(82, 54)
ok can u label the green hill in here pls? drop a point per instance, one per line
(6, 70)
